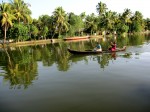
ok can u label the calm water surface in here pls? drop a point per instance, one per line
(49, 79)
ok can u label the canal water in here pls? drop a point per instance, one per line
(47, 78)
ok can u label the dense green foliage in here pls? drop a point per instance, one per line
(76, 24)
(19, 32)
(15, 19)
(33, 31)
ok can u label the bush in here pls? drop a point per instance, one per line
(122, 28)
(19, 32)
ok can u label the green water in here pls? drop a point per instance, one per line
(46, 78)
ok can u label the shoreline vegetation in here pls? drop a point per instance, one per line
(16, 24)
(46, 41)
(51, 41)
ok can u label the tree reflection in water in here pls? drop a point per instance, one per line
(21, 63)
(20, 67)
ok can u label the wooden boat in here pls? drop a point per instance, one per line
(76, 38)
(95, 52)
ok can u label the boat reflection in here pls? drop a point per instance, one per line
(19, 65)
(102, 59)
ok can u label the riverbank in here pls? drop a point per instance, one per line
(32, 42)
(39, 42)
(50, 41)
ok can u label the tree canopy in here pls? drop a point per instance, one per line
(16, 16)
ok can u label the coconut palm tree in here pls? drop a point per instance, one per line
(138, 16)
(126, 16)
(91, 23)
(101, 8)
(108, 21)
(137, 22)
(21, 11)
(83, 15)
(6, 17)
(60, 20)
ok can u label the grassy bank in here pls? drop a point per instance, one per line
(30, 43)
(38, 42)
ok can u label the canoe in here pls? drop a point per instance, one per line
(76, 38)
(95, 52)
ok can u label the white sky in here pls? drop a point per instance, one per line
(41, 7)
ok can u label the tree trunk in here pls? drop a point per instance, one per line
(4, 35)
(53, 36)
(59, 33)
(9, 59)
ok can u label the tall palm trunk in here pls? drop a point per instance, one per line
(5, 34)
(59, 32)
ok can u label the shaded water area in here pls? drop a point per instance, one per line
(47, 78)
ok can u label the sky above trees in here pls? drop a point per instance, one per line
(41, 7)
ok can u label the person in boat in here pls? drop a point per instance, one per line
(113, 46)
(98, 47)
